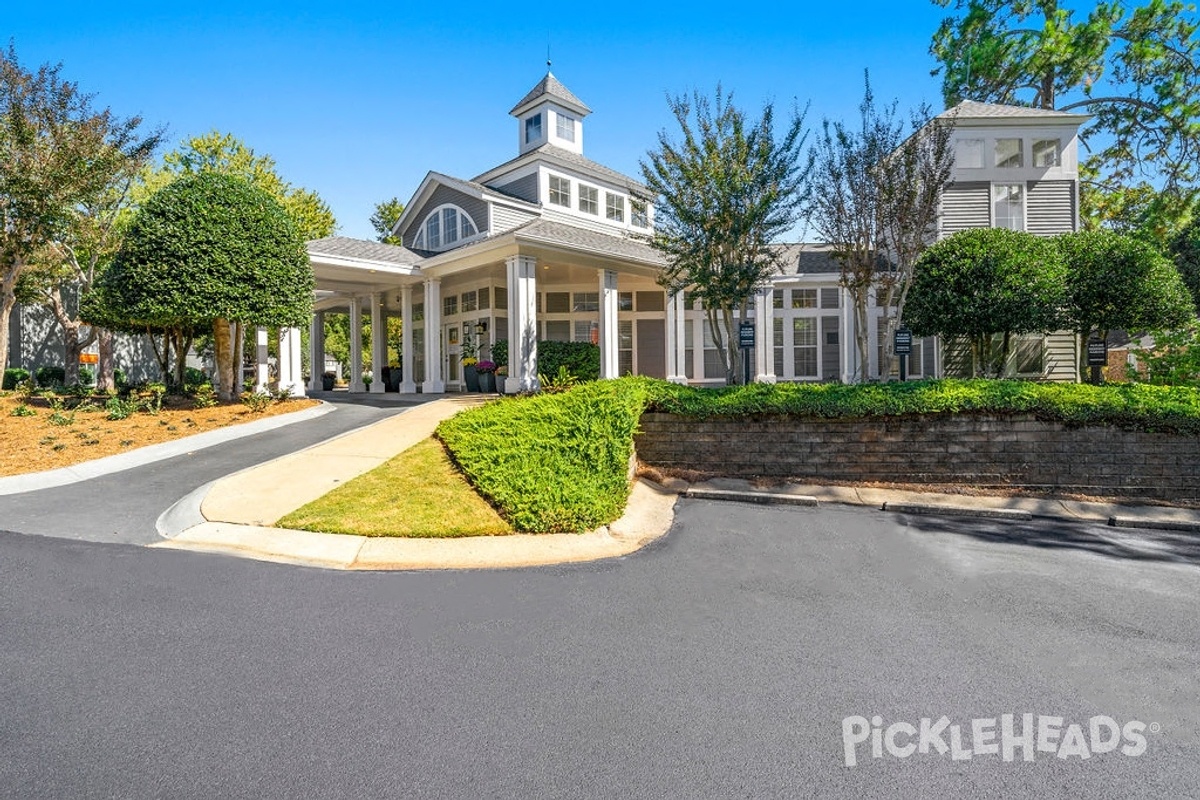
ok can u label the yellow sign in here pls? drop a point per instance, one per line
(89, 358)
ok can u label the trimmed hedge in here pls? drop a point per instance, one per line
(582, 359)
(1135, 406)
(551, 463)
(12, 377)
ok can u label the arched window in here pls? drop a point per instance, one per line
(445, 226)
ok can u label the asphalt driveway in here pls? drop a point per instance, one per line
(721, 662)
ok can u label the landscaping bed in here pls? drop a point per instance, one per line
(40, 437)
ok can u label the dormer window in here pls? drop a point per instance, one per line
(444, 227)
(1046, 153)
(533, 128)
(1009, 153)
(566, 127)
(560, 191)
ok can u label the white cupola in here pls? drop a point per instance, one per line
(550, 114)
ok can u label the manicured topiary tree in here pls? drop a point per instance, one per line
(205, 251)
(1115, 282)
(987, 285)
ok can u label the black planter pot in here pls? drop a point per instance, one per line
(487, 382)
(327, 382)
(471, 377)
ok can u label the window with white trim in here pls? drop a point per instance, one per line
(639, 215)
(1046, 153)
(1009, 153)
(1008, 202)
(533, 128)
(589, 199)
(565, 126)
(560, 191)
(445, 226)
(614, 207)
(968, 154)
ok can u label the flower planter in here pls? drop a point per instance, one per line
(327, 382)
(487, 382)
(471, 378)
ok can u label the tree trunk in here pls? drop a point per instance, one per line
(8, 300)
(223, 356)
(71, 353)
(106, 366)
(862, 338)
(239, 354)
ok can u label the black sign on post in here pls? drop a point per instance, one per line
(1097, 357)
(746, 335)
(902, 346)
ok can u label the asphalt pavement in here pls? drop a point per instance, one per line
(722, 661)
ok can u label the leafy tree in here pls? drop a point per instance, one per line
(1136, 70)
(59, 157)
(384, 218)
(1117, 282)
(205, 251)
(724, 192)
(1185, 249)
(986, 285)
(874, 195)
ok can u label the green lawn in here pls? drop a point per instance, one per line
(418, 493)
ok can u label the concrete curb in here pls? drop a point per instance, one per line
(647, 518)
(33, 481)
(764, 498)
(958, 511)
(1154, 524)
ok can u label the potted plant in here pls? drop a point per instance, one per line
(487, 376)
(469, 354)
(327, 380)
(501, 374)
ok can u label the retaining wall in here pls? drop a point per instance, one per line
(965, 449)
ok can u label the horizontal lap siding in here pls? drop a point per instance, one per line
(966, 206)
(504, 218)
(1051, 207)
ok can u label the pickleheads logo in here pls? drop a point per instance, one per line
(1002, 736)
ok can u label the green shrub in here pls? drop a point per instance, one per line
(551, 462)
(500, 352)
(116, 408)
(14, 377)
(204, 396)
(22, 410)
(1174, 360)
(257, 402)
(50, 376)
(87, 377)
(581, 359)
(119, 380)
(194, 377)
(151, 396)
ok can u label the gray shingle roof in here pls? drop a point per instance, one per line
(970, 109)
(551, 86)
(345, 247)
(566, 158)
(603, 243)
(808, 258)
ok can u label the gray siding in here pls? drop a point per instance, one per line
(441, 195)
(525, 188)
(36, 341)
(965, 206)
(505, 218)
(1051, 207)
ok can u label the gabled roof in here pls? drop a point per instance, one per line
(971, 109)
(550, 86)
(363, 250)
(568, 160)
(472, 188)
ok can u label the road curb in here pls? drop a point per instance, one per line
(1154, 524)
(958, 511)
(762, 498)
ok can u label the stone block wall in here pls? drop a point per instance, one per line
(965, 449)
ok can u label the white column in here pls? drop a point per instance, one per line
(295, 362)
(356, 362)
(764, 344)
(316, 350)
(262, 372)
(676, 338)
(609, 343)
(407, 385)
(522, 325)
(433, 338)
(846, 331)
(378, 344)
(285, 358)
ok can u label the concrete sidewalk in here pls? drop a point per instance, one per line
(234, 515)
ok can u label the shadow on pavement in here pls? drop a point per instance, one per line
(1126, 543)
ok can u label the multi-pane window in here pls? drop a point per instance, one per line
(558, 302)
(468, 301)
(968, 154)
(777, 300)
(449, 305)
(1008, 202)
(485, 296)
(1008, 153)
(625, 347)
(804, 298)
(443, 227)
(566, 127)
(586, 301)
(560, 191)
(614, 207)
(638, 214)
(533, 128)
(804, 346)
(1046, 153)
(589, 199)
(418, 312)
(625, 301)
(501, 298)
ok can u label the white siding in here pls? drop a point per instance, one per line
(505, 218)
(1051, 207)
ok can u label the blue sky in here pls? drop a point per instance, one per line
(359, 101)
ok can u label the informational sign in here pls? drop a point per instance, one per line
(746, 334)
(89, 358)
(1097, 353)
(903, 341)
